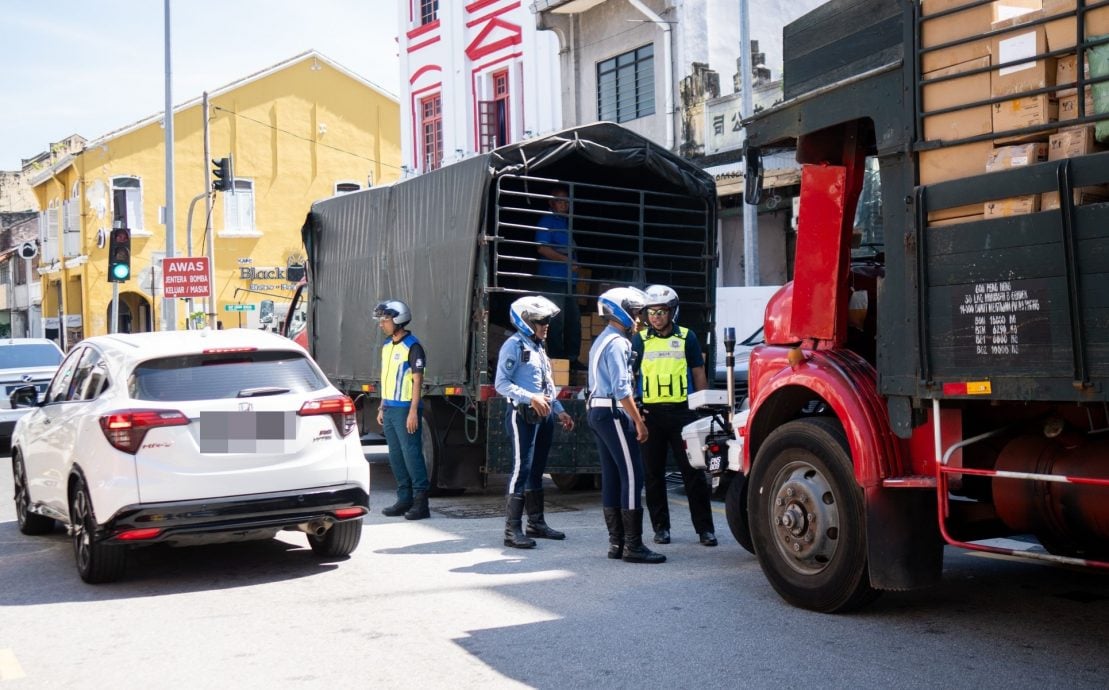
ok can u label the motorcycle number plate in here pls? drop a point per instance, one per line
(713, 464)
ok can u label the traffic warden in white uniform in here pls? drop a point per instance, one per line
(524, 377)
(616, 423)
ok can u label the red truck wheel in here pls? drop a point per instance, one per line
(807, 517)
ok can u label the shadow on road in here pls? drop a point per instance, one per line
(40, 569)
(989, 623)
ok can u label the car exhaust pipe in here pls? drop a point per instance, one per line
(315, 527)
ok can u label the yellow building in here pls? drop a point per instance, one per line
(299, 131)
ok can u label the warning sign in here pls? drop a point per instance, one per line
(185, 277)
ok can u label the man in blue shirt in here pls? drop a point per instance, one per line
(556, 266)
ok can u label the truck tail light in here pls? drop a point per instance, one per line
(126, 429)
(340, 407)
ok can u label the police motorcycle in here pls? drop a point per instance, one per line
(713, 443)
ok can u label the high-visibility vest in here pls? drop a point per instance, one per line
(664, 371)
(396, 375)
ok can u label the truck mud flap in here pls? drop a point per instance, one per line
(904, 547)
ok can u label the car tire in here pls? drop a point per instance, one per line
(29, 523)
(807, 517)
(341, 540)
(97, 562)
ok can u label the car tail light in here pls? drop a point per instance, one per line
(340, 407)
(347, 513)
(126, 429)
(139, 534)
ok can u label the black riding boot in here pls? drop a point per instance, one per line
(537, 526)
(634, 550)
(513, 534)
(615, 526)
(398, 508)
(419, 510)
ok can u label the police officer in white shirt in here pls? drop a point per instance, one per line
(616, 423)
(524, 377)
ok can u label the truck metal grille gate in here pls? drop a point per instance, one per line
(620, 236)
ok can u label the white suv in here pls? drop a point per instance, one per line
(188, 437)
(23, 362)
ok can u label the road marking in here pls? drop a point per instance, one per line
(9, 666)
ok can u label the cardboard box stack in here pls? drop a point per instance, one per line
(1007, 158)
(964, 160)
(1011, 52)
(1012, 78)
(1070, 142)
(1061, 33)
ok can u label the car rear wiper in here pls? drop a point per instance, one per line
(264, 390)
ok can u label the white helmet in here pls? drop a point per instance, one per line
(526, 312)
(622, 304)
(395, 309)
(663, 296)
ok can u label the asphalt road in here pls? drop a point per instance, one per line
(441, 603)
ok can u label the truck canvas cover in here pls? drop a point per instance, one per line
(417, 240)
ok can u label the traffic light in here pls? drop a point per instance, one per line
(119, 256)
(224, 174)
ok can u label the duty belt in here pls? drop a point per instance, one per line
(608, 403)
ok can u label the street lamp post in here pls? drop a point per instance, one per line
(169, 308)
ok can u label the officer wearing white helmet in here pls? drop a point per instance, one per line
(402, 375)
(524, 377)
(670, 366)
(617, 425)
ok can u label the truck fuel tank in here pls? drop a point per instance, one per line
(1069, 519)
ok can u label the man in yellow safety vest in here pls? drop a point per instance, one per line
(670, 366)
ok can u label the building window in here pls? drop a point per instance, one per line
(626, 85)
(5, 272)
(238, 208)
(127, 201)
(347, 187)
(48, 231)
(429, 11)
(431, 129)
(494, 115)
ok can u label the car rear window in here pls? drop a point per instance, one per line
(30, 355)
(215, 376)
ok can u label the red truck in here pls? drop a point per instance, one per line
(928, 378)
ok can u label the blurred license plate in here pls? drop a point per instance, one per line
(244, 431)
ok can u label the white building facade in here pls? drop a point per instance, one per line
(669, 70)
(475, 75)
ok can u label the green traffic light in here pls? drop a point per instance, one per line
(121, 271)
